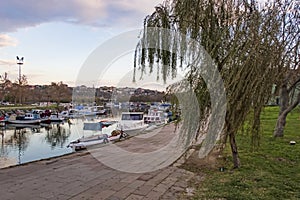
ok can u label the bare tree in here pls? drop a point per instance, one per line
(59, 91)
(289, 81)
(5, 85)
(20, 88)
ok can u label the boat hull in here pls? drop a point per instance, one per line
(57, 120)
(90, 141)
(32, 122)
(135, 131)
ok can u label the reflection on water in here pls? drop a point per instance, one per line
(57, 136)
(17, 140)
(21, 144)
(4, 159)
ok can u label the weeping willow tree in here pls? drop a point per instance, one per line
(241, 39)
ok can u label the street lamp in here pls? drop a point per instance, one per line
(20, 62)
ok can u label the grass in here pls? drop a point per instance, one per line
(27, 107)
(271, 172)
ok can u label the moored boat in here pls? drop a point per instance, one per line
(132, 123)
(56, 118)
(156, 117)
(33, 121)
(101, 135)
(83, 143)
(28, 118)
(71, 113)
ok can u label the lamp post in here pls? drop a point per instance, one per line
(20, 62)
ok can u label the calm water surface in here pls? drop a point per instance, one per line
(20, 145)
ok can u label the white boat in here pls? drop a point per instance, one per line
(87, 111)
(23, 121)
(83, 143)
(71, 113)
(99, 110)
(156, 117)
(28, 118)
(132, 123)
(56, 118)
(91, 110)
(100, 135)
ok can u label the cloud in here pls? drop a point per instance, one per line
(7, 62)
(6, 40)
(16, 14)
(144, 7)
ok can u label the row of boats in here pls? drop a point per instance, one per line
(103, 130)
(30, 119)
(129, 124)
(39, 116)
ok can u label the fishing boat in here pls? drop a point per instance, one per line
(28, 118)
(132, 123)
(40, 115)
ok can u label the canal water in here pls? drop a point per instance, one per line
(25, 144)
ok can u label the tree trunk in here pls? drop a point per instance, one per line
(283, 113)
(280, 124)
(234, 150)
(281, 120)
(284, 98)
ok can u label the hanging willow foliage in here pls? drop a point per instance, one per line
(241, 39)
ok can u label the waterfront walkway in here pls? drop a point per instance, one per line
(82, 176)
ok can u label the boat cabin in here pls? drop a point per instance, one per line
(129, 116)
(155, 117)
(31, 116)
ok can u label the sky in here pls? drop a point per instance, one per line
(56, 37)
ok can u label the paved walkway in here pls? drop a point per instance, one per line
(82, 176)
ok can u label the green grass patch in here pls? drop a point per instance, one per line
(271, 172)
(28, 107)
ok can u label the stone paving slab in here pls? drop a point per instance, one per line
(82, 176)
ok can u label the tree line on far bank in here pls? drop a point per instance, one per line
(19, 92)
